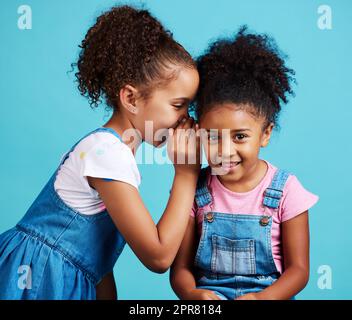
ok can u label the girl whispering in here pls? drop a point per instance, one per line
(248, 235)
(67, 243)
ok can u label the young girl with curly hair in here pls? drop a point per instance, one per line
(248, 235)
(67, 243)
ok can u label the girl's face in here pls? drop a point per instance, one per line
(233, 141)
(166, 106)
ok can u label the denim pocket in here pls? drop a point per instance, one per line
(230, 256)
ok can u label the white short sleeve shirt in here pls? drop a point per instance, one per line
(100, 155)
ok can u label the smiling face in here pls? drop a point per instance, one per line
(166, 105)
(232, 145)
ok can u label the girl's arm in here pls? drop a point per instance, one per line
(106, 288)
(181, 273)
(295, 240)
(155, 245)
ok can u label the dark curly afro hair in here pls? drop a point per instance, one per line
(126, 45)
(248, 71)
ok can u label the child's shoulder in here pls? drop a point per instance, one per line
(101, 148)
(295, 197)
(291, 181)
(103, 154)
(100, 138)
(99, 142)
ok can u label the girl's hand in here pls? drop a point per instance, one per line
(184, 147)
(249, 296)
(201, 294)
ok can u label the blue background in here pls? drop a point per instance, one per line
(42, 114)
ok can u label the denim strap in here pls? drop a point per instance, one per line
(273, 194)
(203, 196)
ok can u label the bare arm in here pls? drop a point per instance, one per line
(295, 239)
(155, 245)
(181, 273)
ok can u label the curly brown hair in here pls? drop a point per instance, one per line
(126, 45)
(247, 70)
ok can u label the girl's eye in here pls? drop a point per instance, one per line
(240, 136)
(179, 106)
(213, 138)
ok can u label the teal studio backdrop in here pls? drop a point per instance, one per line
(42, 114)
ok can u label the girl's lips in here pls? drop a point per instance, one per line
(227, 168)
(230, 165)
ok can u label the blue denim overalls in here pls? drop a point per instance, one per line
(234, 254)
(55, 252)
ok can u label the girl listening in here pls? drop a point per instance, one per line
(248, 235)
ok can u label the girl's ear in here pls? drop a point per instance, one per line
(128, 96)
(267, 134)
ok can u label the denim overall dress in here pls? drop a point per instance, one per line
(55, 252)
(234, 255)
